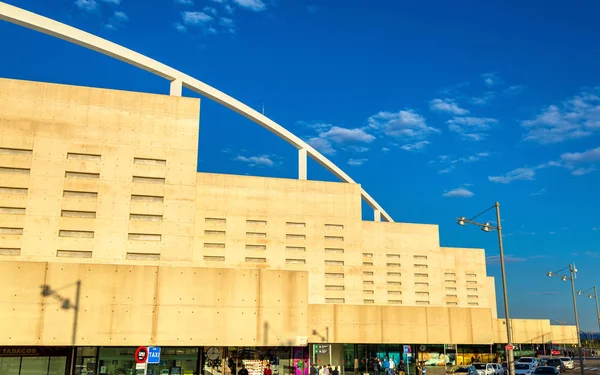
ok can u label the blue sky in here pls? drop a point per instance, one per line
(438, 108)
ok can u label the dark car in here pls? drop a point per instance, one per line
(546, 370)
(557, 363)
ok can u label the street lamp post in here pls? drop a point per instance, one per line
(572, 275)
(486, 228)
(594, 296)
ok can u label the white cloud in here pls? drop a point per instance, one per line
(257, 161)
(228, 9)
(255, 5)
(448, 106)
(179, 27)
(453, 163)
(385, 149)
(114, 2)
(490, 79)
(472, 128)
(405, 124)
(184, 2)
(487, 97)
(195, 18)
(218, 1)
(588, 156)
(86, 5)
(574, 118)
(322, 144)
(210, 10)
(120, 16)
(228, 24)
(514, 175)
(582, 171)
(329, 134)
(357, 162)
(460, 192)
(514, 89)
(415, 146)
(542, 191)
(495, 259)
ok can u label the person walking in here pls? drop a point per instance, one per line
(401, 368)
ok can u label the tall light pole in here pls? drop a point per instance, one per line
(571, 277)
(594, 296)
(486, 228)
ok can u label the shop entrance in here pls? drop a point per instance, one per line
(33, 360)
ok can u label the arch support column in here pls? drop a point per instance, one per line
(176, 88)
(377, 214)
(302, 168)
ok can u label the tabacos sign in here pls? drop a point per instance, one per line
(18, 352)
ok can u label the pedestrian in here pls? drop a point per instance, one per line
(243, 370)
(401, 368)
(268, 370)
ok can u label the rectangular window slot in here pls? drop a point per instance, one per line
(368, 264)
(76, 233)
(471, 282)
(214, 232)
(295, 248)
(15, 151)
(421, 284)
(471, 289)
(295, 236)
(334, 250)
(394, 301)
(335, 300)
(394, 283)
(76, 156)
(143, 256)
(84, 214)
(144, 217)
(368, 282)
(421, 275)
(256, 222)
(334, 287)
(12, 190)
(256, 247)
(334, 238)
(149, 161)
(10, 251)
(334, 275)
(452, 303)
(449, 274)
(452, 295)
(144, 237)
(471, 275)
(420, 257)
(11, 170)
(147, 198)
(450, 288)
(393, 256)
(334, 226)
(470, 296)
(394, 292)
(73, 254)
(256, 260)
(474, 303)
(213, 245)
(368, 291)
(149, 180)
(80, 194)
(292, 224)
(215, 220)
(421, 294)
(12, 210)
(295, 261)
(394, 274)
(451, 281)
(369, 301)
(368, 255)
(256, 234)
(393, 265)
(214, 258)
(367, 273)
(82, 175)
(421, 266)
(334, 262)
(422, 302)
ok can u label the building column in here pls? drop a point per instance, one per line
(377, 215)
(176, 87)
(302, 169)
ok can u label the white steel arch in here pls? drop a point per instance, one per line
(178, 80)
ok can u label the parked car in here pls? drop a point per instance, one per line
(524, 368)
(546, 370)
(556, 362)
(499, 369)
(528, 360)
(485, 368)
(569, 364)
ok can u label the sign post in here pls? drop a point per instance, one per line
(509, 347)
(141, 358)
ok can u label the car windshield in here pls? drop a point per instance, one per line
(479, 366)
(462, 369)
(521, 366)
(565, 359)
(545, 370)
(553, 362)
(526, 360)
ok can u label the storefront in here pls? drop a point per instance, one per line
(282, 360)
(34, 360)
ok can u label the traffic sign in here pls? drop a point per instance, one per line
(154, 354)
(407, 349)
(141, 354)
(509, 347)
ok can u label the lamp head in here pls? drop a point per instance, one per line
(461, 221)
(549, 274)
(580, 292)
(591, 296)
(486, 227)
(564, 278)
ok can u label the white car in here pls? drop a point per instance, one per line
(485, 368)
(528, 360)
(524, 368)
(568, 362)
(499, 369)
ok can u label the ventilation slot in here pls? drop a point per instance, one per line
(15, 151)
(421, 266)
(73, 254)
(393, 265)
(147, 198)
(367, 273)
(80, 175)
(292, 224)
(334, 238)
(256, 260)
(334, 226)
(256, 234)
(449, 274)
(149, 161)
(369, 301)
(394, 301)
(76, 233)
(368, 282)
(256, 247)
(368, 264)
(334, 262)
(215, 220)
(421, 284)
(145, 217)
(214, 258)
(295, 248)
(394, 274)
(295, 261)
(420, 257)
(334, 275)
(14, 170)
(451, 295)
(393, 256)
(471, 275)
(84, 214)
(452, 303)
(471, 289)
(471, 282)
(450, 288)
(334, 287)
(10, 251)
(422, 302)
(213, 245)
(334, 250)
(295, 236)
(394, 292)
(75, 156)
(451, 281)
(149, 180)
(421, 275)
(80, 194)
(368, 291)
(256, 222)
(368, 255)
(474, 303)
(12, 210)
(11, 190)
(143, 256)
(214, 232)
(144, 237)
(472, 297)
(422, 294)
(335, 300)
(394, 283)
